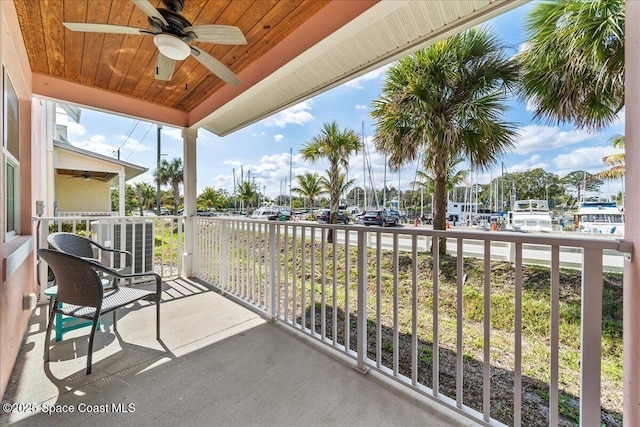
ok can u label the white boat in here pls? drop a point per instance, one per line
(266, 212)
(530, 215)
(462, 213)
(600, 218)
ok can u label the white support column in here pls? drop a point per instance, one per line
(121, 193)
(631, 286)
(189, 137)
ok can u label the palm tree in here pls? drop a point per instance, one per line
(444, 102)
(145, 194)
(210, 198)
(343, 183)
(247, 193)
(336, 146)
(309, 187)
(454, 177)
(171, 173)
(616, 161)
(573, 63)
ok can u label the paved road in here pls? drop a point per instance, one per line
(500, 250)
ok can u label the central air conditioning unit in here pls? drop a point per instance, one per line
(138, 240)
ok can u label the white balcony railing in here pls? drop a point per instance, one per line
(445, 326)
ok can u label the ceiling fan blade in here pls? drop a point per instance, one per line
(164, 67)
(215, 66)
(150, 11)
(103, 28)
(221, 34)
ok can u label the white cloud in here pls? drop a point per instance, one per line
(361, 107)
(234, 163)
(278, 137)
(371, 75)
(96, 144)
(73, 128)
(298, 114)
(585, 158)
(133, 145)
(173, 133)
(542, 138)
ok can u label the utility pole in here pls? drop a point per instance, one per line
(235, 202)
(290, 178)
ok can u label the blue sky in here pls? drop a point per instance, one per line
(263, 148)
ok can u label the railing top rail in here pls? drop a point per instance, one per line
(104, 217)
(579, 241)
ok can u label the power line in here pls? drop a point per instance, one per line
(129, 132)
(133, 150)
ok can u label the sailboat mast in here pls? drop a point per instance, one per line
(364, 167)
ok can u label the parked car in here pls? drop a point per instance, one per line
(380, 217)
(323, 217)
(164, 211)
(282, 215)
(205, 212)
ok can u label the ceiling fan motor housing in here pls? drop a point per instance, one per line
(176, 22)
(174, 5)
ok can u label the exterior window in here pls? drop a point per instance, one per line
(11, 151)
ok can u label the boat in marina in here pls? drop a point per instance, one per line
(530, 216)
(266, 212)
(599, 218)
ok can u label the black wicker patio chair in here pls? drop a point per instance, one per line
(81, 294)
(81, 246)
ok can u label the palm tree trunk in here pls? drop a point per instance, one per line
(334, 199)
(440, 202)
(176, 198)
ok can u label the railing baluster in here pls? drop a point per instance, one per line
(286, 273)
(347, 280)
(294, 284)
(459, 323)
(591, 338)
(486, 368)
(272, 270)
(312, 297)
(414, 318)
(554, 335)
(303, 291)
(396, 284)
(361, 328)
(255, 253)
(323, 273)
(378, 302)
(334, 313)
(517, 374)
(435, 357)
(261, 261)
(278, 257)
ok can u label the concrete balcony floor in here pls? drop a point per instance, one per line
(218, 364)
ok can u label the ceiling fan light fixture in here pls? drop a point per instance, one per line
(172, 47)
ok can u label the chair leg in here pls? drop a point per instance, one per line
(52, 313)
(90, 350)
(158, 320)
(115, 321)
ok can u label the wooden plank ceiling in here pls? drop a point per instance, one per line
(125, 63)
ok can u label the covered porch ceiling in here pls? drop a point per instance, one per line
(295, 49)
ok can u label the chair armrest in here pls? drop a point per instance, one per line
(119, 275)
(128, 256)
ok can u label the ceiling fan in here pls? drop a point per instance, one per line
(171, 34)
(85, 176)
